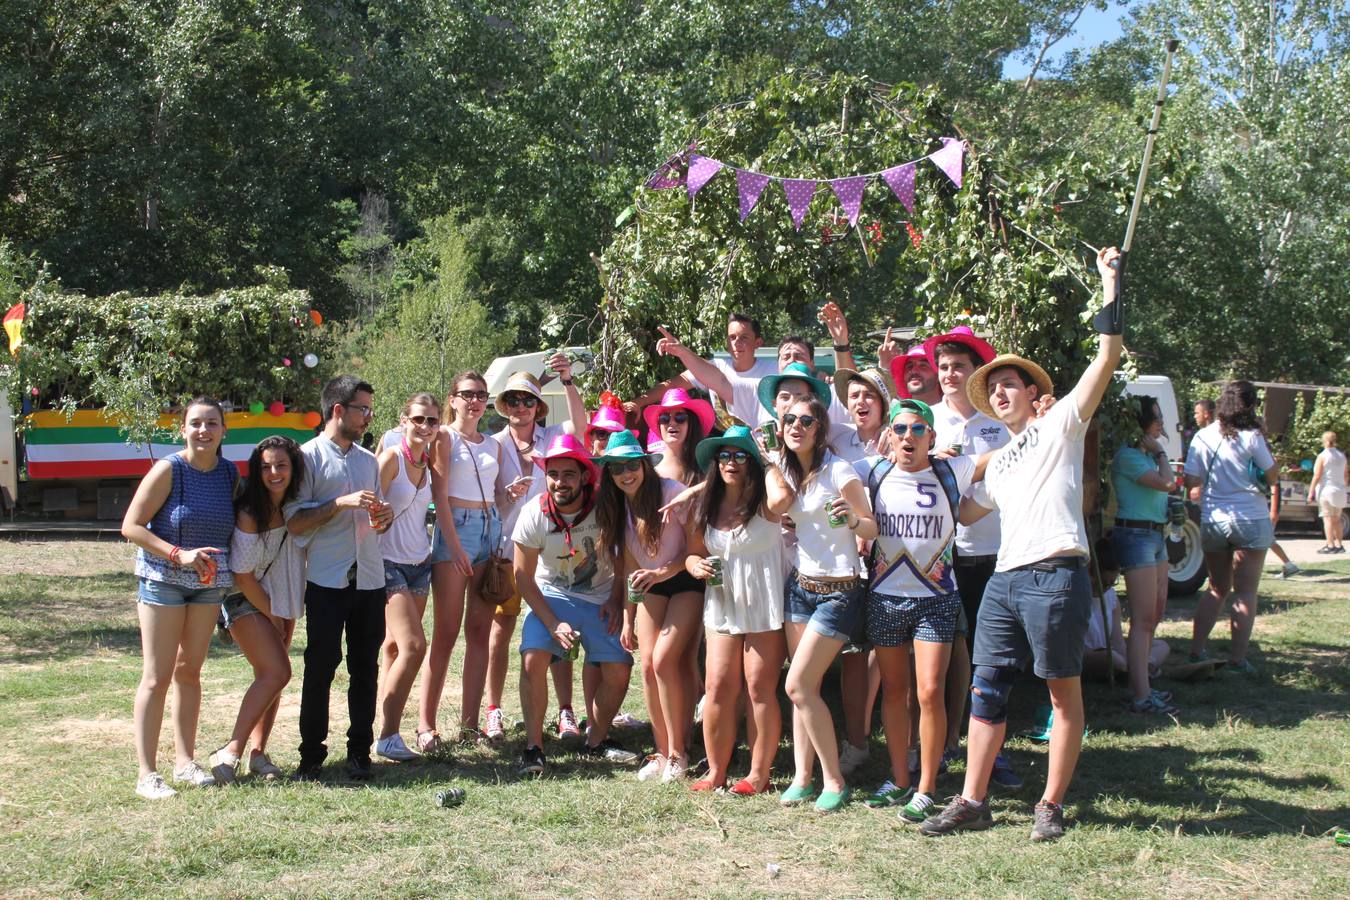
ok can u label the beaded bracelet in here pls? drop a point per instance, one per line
(173, 555)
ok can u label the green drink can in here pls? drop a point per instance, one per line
(450, 797)
(574, 651)
(835, 520)
(635, 594)
(769, 433)
(715, 579)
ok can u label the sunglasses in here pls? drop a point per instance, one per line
(619, 468)
(804, 421)
(726, 456)
(424, 420)
(469, 396)
(918, 429)
(679, 418)
(524, 400)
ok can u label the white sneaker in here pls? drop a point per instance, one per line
(152, 787)
(674, 770)
(224, 767)
(194, 775)
(496, 724)
(851, 757)
(626, 720)
(392, 747)
(698, 709)
(653, 768)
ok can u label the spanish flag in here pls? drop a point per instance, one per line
(14, 327)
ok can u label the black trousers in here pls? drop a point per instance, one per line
(972, 574)
(328, 611)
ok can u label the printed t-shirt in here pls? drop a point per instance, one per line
(586, 573)
(916, 531)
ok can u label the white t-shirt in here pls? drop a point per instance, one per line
(744, 400)
(822, 551)
(977, 435)
(587, 573)
(846, 444)
(1333, 468)
(1035, 481)
(1229, 495)
(1098, 637)
(917, 529)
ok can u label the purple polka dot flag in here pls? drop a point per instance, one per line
(949, 159)
(701, 171)
(668, 176)
(799, 193)
(750, 185)
(901, 180)
(850, 193)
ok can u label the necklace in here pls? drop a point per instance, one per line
(407, 454)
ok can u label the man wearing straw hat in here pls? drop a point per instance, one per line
(1038, 602)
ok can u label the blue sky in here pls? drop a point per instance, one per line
(1095, 27)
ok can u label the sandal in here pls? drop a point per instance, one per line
(707, 784)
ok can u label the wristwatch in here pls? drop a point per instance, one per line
(567, 382)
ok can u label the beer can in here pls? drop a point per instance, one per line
(450, 797)
(715, 580)
(574, 651)
(956, 448)
(769, 432)
(835, 520)
(635, 594)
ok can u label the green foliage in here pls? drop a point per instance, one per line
(431, 331)
(139, 355)
(1303, 436)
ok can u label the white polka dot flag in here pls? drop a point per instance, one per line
(950, 160)
(799, 193)
(701, 171)
(850, 191)
(749, 185)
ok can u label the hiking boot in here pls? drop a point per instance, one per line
(889, 794)
(1003, 774)
(496, 724)
(919, 808)
(1049, 822)
(960, 814)
(608, 749)
(532, 761)
(567, 724)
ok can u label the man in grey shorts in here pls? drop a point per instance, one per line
(1037, 602)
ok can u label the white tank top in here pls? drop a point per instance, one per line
(407, 540)
(462, 482)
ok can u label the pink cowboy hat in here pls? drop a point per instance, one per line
(678, 398)
(607, 418)
(961, 334)
(898, 369)
(565, 446)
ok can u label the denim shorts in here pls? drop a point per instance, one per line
(410, 578)
(479, 530)
(893, 621)
(161, 593)
(1038, 612)
(236, 607)
(835, 615)
(598, 644)
(1217, 536)
(1138, 548)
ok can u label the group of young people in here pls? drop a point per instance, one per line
(920, 522)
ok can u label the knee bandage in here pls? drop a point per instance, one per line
(989, 690)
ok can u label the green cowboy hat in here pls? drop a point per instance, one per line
(768, 385)
(623, 445)
(735, 436)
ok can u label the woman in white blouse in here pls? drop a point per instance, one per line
(269, 572)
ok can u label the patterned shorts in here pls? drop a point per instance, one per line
(892, 621)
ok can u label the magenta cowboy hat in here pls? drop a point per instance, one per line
(565, 446)
(678, 398)
(961, 334)
(898, 365)
(607, 418)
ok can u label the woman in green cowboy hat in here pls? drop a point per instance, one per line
(666, 619)
(737, 523)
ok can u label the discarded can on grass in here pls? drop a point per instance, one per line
(1342, 837)
(715, 579)
(450, 797)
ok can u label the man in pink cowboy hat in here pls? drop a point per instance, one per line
(521, 402)
(734, 380)
(913, 377)
(567, 579)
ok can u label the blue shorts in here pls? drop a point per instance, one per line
(236, 607)
(407, 578)
(1041, 611)
(834, 615)
(1138, 548)
(479, 530)
(161, 593)
(599, 645)
(892, 621)
(1242, 534)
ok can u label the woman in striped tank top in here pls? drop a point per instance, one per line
(181, 518)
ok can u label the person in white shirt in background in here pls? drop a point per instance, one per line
(1328, 488)
(734, 381)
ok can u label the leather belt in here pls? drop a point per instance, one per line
(983, 560)
(1143, 524)
(1053, 563)
(829, 585)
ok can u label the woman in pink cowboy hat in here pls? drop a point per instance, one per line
(681, 422)
(608, 419)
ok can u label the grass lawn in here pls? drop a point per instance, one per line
(1233, 801)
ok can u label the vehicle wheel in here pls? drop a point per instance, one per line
(1186, 562)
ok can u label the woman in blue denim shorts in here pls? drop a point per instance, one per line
(1142, 478)
(181, 517)
(405, 483)
(269, 577)
(825, 591)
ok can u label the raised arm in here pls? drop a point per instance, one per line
(832, 317)
(1099, 372)
(699, 367)
(576, 406)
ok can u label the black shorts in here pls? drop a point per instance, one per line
(972, 574)
(1039, 612)
(679, 583)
